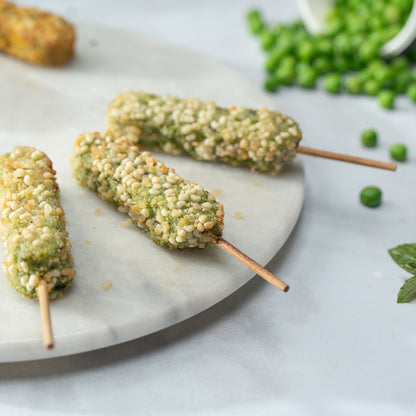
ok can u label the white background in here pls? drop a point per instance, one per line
(337, 343)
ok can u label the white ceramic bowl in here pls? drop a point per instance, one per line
(313, 15)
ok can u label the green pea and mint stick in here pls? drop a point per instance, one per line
(38, 262)
(172, 211)
(263, 139)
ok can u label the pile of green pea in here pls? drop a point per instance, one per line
(347, 55)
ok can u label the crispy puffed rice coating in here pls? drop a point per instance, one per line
(174, 212)
(262, 139)
(34, 35)
(33, 224)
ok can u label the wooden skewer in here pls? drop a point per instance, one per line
(45, 316)
(347, 158)
(252, 264)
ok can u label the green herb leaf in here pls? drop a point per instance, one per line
(405, 256)
(408, 291)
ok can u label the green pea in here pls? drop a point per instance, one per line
(284, 42)
(353, 84)
(289, 62)
(371, 87)
(398, 152)
(341, 64)
(369, 138)
(368, 50)
(297, 26)
(335, 25)
(322, 64)
(255, 22)
(306, 51)
(271, 84)
(399, 63)
(402, 81)
(376, 22)
(324, 46)
(411, 92)
(392, 14)
(383, 75)
(356, 23)
(285, 75)
(403, 5)
(386, 98)
(332, 83)
(268, 39)
(370, 196)
(273, 60)
(253, 14)
(300, 36)
(343, 44)
(306, 76)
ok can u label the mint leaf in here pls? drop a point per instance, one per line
(408, 291)
(405, 256)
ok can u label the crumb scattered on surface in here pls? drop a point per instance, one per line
(256, 183)
(126, 224)
(93, 227)
(216, 192)
(238, 215)
(87, 242)
(107, 285)
(97, 211)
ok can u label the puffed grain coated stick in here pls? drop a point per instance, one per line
(262, 139)
(34, 35)
(172, 211)
(38, 262)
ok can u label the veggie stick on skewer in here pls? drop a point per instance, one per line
(35, 36)
(174, 212)
(38, 259)
(262, 139)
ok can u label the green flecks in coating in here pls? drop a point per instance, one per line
(262, 139)
(174, 212)
(33, 224)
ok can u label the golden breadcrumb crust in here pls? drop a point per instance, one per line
(35, 36)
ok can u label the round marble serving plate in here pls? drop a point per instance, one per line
(152, 287)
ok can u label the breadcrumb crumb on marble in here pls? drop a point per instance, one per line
(126, 224)
(107, 285)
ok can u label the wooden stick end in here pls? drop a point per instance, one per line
(49, 345)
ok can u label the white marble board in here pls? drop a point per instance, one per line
(152, 287)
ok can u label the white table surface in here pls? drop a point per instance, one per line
(337, 343)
